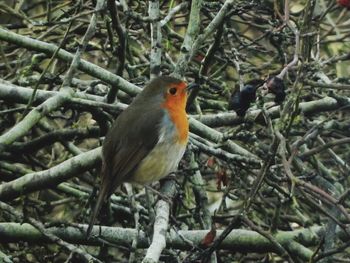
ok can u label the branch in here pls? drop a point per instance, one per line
(172, 13)
(211, 149)
(161, 222)
(65, 92)
(47, 234)
(217, 137)
(201, 197)
(52, 137)
(83, 65)
(231, 118)
(318, 84)
(187, 45)
(50, 178)
(323, 147)
(191, 46)
(156, 38)
(21, 128)
(13, 93)
(121, 51)
(237, 240)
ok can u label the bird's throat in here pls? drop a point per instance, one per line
(177, 113)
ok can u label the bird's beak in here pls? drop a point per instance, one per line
(192, 86)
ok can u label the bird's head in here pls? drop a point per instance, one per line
(175, 95)
(167, 91)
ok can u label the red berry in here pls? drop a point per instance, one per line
(344, 3)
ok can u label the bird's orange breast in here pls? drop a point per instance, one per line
(176, 107)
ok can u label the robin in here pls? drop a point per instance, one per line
(147, 140)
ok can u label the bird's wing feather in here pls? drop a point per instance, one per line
(132, 140)
(132, 136)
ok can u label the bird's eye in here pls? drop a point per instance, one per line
(172, 91)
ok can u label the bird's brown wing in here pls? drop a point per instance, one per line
(131, 138)
(133, 135)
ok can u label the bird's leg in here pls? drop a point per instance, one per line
(171, 176)
(161, 195)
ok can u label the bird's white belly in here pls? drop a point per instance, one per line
(160, 162)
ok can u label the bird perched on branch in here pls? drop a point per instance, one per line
(146, 141)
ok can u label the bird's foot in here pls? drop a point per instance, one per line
(159, 194)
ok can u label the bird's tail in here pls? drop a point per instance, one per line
(102, 194)
(96, 210)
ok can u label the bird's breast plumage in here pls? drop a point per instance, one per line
(164, 158)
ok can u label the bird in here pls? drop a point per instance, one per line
(147, 140)
(240, 100)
